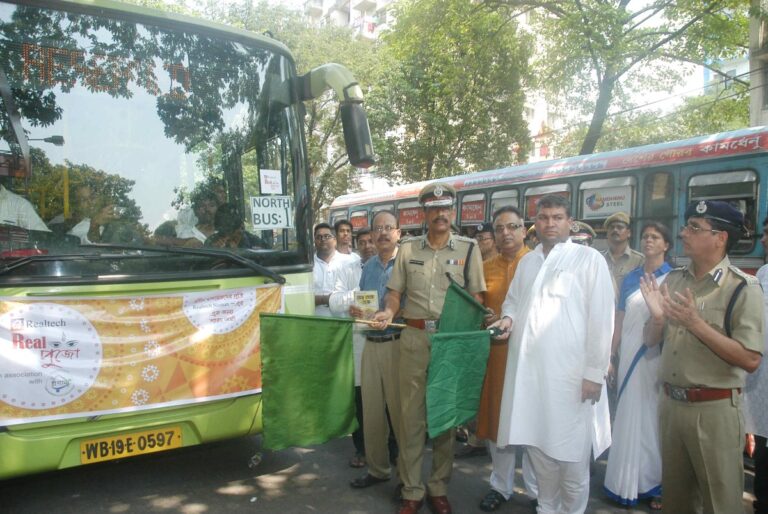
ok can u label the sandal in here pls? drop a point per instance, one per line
(492, 501)
(655, 503)
(358, 461)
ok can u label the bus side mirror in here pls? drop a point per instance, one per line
(357, 135)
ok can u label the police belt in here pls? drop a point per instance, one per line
(698, 394)
(430, 325)
(383, 339)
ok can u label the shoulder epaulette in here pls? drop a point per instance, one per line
(746, 277)
(464, 239)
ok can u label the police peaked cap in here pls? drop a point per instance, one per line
(617, 217)
(717, 211)
(437, 194)
(484, 227)
(583, 228)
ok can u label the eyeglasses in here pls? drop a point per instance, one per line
(483, 238)
(323, 237)
(693, 229)
(499, 229)
(384, 228)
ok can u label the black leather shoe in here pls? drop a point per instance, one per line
(366, 481)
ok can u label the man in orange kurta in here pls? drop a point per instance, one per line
(509, 232)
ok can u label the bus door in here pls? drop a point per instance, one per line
(600, 198)
(410, 218)
(471, 213)
(739, 188)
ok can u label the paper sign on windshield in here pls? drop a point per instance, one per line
(271, 212)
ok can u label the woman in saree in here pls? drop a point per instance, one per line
(634, 463)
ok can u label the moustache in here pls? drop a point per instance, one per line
(441, 218)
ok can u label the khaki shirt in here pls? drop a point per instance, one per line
(420, 270)
(619, 268)
(685, 360)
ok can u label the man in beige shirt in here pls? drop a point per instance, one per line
(710, 316)
(620, 257)
(421, 272)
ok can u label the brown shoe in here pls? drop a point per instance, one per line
(439, 504)
(410, 506)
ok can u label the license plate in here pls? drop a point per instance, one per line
(130, 444)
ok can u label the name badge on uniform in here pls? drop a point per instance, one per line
(455, 262)
(414, 261)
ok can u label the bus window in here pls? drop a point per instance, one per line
(533, 194)
(336, 216)
(410, 215)
(472, 209)
(598, 199)
(739, 188)
(501, 199)
(658, 195)
(384, 207)
(359, 220)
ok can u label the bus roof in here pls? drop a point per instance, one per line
(740, 142)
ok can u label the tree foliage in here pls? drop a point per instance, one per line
(453, 97)
(720, 111)
(597, 53)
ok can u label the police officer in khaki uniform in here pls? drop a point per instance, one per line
(710, 316)
(420, 273)
(620, 257)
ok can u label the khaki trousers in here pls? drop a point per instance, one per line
(701, 447)
(414, 360)
(381, 391)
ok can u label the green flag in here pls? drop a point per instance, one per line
(457, 362)
(461, 312)
(455, 378)
(308, 379)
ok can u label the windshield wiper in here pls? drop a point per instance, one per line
(207, 252)
(24, 261)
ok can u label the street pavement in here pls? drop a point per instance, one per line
(222, 477)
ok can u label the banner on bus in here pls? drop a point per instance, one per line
(473, 212)
(64, 358)
(601, 203)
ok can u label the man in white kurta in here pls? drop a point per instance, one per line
(559, 308)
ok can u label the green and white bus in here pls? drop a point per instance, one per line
(154, 199)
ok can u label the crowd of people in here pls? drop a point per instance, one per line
(671, 346)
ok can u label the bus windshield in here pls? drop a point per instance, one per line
(124, 145)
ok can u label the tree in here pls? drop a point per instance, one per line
(596, 52)
(453, 97)
(727, 109)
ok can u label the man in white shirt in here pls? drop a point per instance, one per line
(16, 211)
(559, 311)
(329, 267)
(343, 231)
